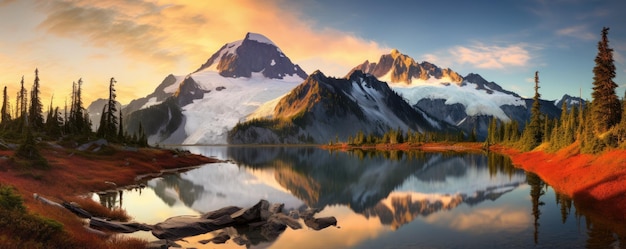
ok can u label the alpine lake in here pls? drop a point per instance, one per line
(380, 199)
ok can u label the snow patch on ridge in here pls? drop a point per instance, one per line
(259, 38)
(231, 48)
(152, 101)
(209, 119)
(476, 102)
(174, 87)
(373, 105)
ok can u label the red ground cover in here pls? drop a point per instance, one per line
(74, 173)
(596, 182)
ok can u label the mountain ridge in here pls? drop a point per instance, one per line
(323, 108)
(252, 79)
(202, 106)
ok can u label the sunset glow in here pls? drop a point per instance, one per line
(141, 42)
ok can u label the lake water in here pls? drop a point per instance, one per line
(380, 199)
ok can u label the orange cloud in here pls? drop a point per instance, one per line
(166, 32)
(139, 42)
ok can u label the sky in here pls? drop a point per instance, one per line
(140, 42)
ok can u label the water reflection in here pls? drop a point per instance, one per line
(385, 199)
(536, 191)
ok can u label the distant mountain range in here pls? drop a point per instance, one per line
(251, 82)
(465, 102)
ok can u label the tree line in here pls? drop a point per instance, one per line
(25, 117)
(597, 125)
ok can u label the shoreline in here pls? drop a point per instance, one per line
(74, 173)
(597, 183)
(594, 182)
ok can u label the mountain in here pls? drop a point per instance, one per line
(254, 54)
(200, 108)
(95, 111)
(164, 90)
(466, 102)
(570, 101)
(400, 68)
(324, 108)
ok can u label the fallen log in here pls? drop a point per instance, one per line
(118, 227)
(74, 208)
(46, 201)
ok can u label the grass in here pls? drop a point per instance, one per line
(70, 174)
(96, 209)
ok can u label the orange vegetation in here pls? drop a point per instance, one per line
(596, 182)
(429, 147)
(74, 173)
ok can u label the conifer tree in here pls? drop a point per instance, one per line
(120, 132)
(606, 110)
(20, 109)
(35, 112)
(621, 132)
(77, 122)
(4, 112)
(533, 134)
(111, 120)
(472, 137)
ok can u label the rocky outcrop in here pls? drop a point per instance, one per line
(254, 54)
(263, 218)
(401, 68)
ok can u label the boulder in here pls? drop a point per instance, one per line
(276, 208)
(309, 213)
(320, 223)
(185, 226)
(220, 212)
(242, 240)
(251, 214)
(162, 244)
(221, 238)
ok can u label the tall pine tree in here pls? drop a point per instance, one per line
(111, 120)
(4, 112)
(108, 121)
(533, 133)
(606, 110)
(35, 112)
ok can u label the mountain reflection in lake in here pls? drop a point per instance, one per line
(390, 199)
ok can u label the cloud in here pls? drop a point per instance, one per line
(6, 2)
(579, 32)
(165, 33)
(484, 220)
(109, 24)
(492, 56)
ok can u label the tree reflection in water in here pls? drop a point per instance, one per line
(536, 191)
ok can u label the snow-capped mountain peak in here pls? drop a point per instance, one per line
(200, 107)
(254, 54)
(259, 38)
(399, 69)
